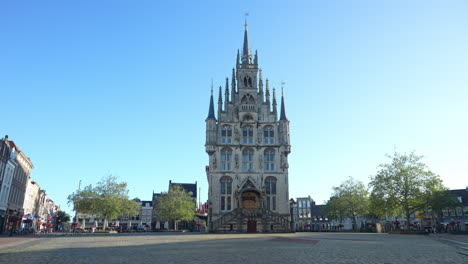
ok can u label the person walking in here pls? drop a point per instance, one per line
(95, 225)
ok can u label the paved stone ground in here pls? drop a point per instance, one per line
(240, 248)
(9, 241)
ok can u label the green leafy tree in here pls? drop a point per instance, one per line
(82, 200)
(442, 199)
(108, 200)
(334, 209)
(350, 199)
(403, 186)
(131, 208)
(62, 217)
(175, 205)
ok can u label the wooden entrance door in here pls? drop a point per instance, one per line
(249, 204)
(251, 226)
(249, 200)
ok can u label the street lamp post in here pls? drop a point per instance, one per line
(76, 206)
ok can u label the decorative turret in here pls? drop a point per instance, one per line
(210, 124)
(220, 102)
(283, 109)
(233, 85)
(211, 114)
(256, 58)
(226, 94)
(237, 59)
(274, 102)
(260, 85)
(284, 127)
(267, 95)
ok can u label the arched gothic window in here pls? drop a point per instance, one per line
(226, 134)
(226, 193)
(248, 99)
(268, 135)
(269, 160)
(247, 160)
(247, 135)
(226, 159)
(245, 81)
(250, 82)
(270, 186)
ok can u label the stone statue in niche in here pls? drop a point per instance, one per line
(236, 134)
(284, 162)
(214, 162)
(260, 162)
(259, 135)
(236, 159)
(236, 111)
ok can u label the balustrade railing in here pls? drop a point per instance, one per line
(250, 213)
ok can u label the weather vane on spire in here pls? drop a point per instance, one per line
(246, 15)
(282, 87)
(211, 86)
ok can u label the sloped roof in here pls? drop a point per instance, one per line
(13, 145)
(463, 193)
(318, 210)
(188, 187)
(143, 203)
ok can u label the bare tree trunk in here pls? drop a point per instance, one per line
(408, 215)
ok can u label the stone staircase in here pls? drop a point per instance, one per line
(236, 221)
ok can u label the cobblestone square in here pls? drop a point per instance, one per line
(233, 248)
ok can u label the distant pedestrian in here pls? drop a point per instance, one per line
(95, 225)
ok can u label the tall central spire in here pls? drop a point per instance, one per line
(246, 55)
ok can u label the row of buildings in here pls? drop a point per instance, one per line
(23, 203)
(146, 219)
(306, 215)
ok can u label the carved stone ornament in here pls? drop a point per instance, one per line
(283, 162)
(210, 149)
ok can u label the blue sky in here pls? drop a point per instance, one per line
(96, 87)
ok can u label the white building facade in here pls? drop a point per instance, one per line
(7, 169)
(248, 146)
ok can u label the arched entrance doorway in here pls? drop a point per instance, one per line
(250, 204)
(250, 200)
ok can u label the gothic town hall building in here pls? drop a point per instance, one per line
(248, 147)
